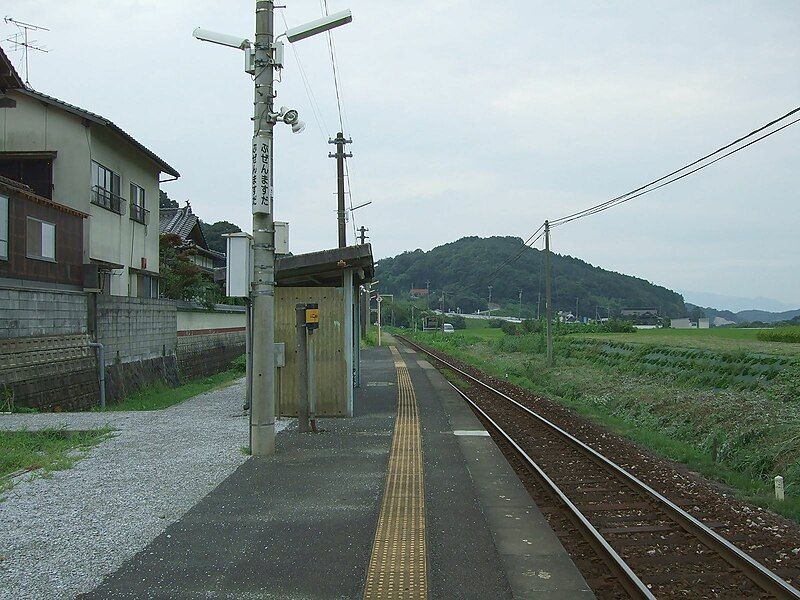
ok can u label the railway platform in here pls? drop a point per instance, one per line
(408, 499)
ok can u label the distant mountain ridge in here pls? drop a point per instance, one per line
(747, 316)
(464, 269)
(736, 304)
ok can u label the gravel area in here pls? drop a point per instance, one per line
(60, 535)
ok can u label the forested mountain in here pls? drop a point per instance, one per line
(213, 234)
(463, 269)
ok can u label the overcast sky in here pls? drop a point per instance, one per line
(474, 118)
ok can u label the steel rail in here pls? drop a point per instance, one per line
(754, 570)
(629, 580)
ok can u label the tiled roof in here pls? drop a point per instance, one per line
(181, 222)
(9, 78)
(90, 116)
(10, 186)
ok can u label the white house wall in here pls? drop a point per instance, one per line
(37, 127)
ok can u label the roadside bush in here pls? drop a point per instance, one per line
(496, 323)
(239, 364)
(509, 328)
(457, 322)
(532, 326)
(789, 335)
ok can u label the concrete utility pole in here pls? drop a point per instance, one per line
(442, 304)
(547, 291)
(428, 295)
(378, 300)
(363, 235)
(262, 414)
(302, 368)
(520, 305)
(340, 155)
(489, 303)
(576, 309)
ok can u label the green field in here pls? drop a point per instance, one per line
(720, 401)
(718, 338)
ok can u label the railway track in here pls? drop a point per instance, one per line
(652, 547)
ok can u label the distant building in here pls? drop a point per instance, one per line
(689, 324)
(681, 324)
(646, 313)
(418, 292)
(640, 317)
(186, 225)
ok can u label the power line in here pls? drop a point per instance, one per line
(647, 188)
(335, 70)
(624, 197)
(315, 110)
(611, 204)
(527, 243)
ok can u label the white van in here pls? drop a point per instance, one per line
(448, 328)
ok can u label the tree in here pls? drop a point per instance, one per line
(213, 234)
(182, 279)
(697, 313)
(165, 201)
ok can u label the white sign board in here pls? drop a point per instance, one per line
(262, 175)
(239, 265)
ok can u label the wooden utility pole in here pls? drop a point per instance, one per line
(548, 291)
(340, 155)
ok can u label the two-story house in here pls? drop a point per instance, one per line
(84, 161)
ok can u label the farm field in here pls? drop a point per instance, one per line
(722, 339)
(724, 404)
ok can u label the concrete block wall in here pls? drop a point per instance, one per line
(39, 313)
(134, 329)
(205, 354)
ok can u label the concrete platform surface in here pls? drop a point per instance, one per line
(301, 524)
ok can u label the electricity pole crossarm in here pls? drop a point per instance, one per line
(340, 155)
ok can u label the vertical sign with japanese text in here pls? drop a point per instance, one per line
(262, 175)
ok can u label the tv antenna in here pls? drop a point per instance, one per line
(22, 42)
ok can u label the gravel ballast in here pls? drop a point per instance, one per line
(61, 535)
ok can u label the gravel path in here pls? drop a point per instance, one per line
(60, 535)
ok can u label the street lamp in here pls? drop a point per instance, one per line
(262, 57)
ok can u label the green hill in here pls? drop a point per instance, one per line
(463, 269)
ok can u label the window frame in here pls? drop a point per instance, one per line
(138, 210)
(40, 256)
(106, 184)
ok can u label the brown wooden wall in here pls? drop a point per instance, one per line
(68, 268)
(327, 344)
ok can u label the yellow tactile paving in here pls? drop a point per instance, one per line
(398, 567)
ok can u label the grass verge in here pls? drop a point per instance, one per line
(741, 438)
(160, 395)
(48, 449)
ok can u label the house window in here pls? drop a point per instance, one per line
(36, 172)
(146, 286)
(106, 188)
(41, 240)
(3, 227)
(138, 211)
